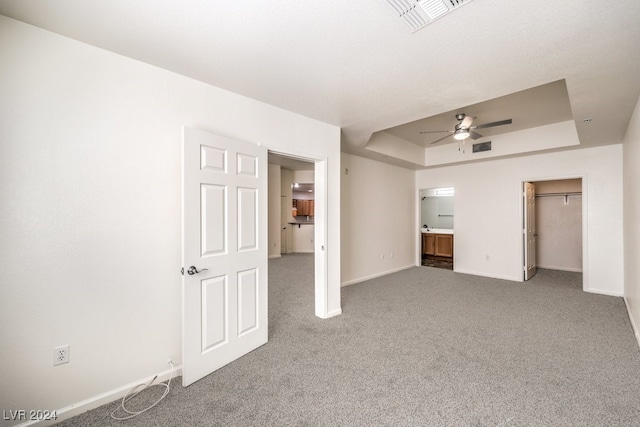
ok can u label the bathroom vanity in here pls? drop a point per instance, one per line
(437, 242)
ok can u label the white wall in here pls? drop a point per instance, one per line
(559, 233)
(522, 142)
(488, 230)
(90, 210)
(304, 177)
(303, 238)
(286, 180)
(274, 211)
(378, 218)
(631, 167)
(302, 195)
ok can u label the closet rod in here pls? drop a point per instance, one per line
(571, 193)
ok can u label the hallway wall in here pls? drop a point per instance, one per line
(378, 218)
(632, 219)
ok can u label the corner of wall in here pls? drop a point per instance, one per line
(631, 218)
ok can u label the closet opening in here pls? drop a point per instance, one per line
(553, 225)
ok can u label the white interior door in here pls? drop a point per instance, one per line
(529, 230)
(224, 287)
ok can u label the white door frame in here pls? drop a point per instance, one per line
(585, 223)
(321, 288)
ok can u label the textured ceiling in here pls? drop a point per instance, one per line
(539, 106)
(356, 65)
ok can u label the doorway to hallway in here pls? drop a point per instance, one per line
(297, 222)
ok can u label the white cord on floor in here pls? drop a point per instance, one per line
(128, 397)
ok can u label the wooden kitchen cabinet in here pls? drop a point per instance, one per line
(304, 207)
(437, 244)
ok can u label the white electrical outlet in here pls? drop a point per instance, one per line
(61, 355)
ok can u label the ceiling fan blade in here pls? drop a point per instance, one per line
(467, 121)
(474, 135)
(435, 131)
(438, 140)
(492, 124)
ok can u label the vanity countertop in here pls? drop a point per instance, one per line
(437, 231)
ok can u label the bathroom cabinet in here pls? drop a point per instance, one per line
(437, 244)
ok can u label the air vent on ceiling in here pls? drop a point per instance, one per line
(418, 14)
(482, 146)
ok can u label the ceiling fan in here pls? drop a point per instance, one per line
(464, 130)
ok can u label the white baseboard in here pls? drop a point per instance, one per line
(275, 256)
(573, 270)
(601, 292)
(101, 399)
(334, 313)
(636, 332)
(374, 276)
(491, 276)
(330, 314)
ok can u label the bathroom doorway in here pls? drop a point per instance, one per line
(436, 227)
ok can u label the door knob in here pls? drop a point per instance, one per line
(192, 270)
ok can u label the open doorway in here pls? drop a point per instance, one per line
(553, 225)
(291, 205)
(436, 227)
(297, 213)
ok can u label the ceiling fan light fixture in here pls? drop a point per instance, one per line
(461, 134)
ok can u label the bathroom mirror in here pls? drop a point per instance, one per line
(436, 208)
